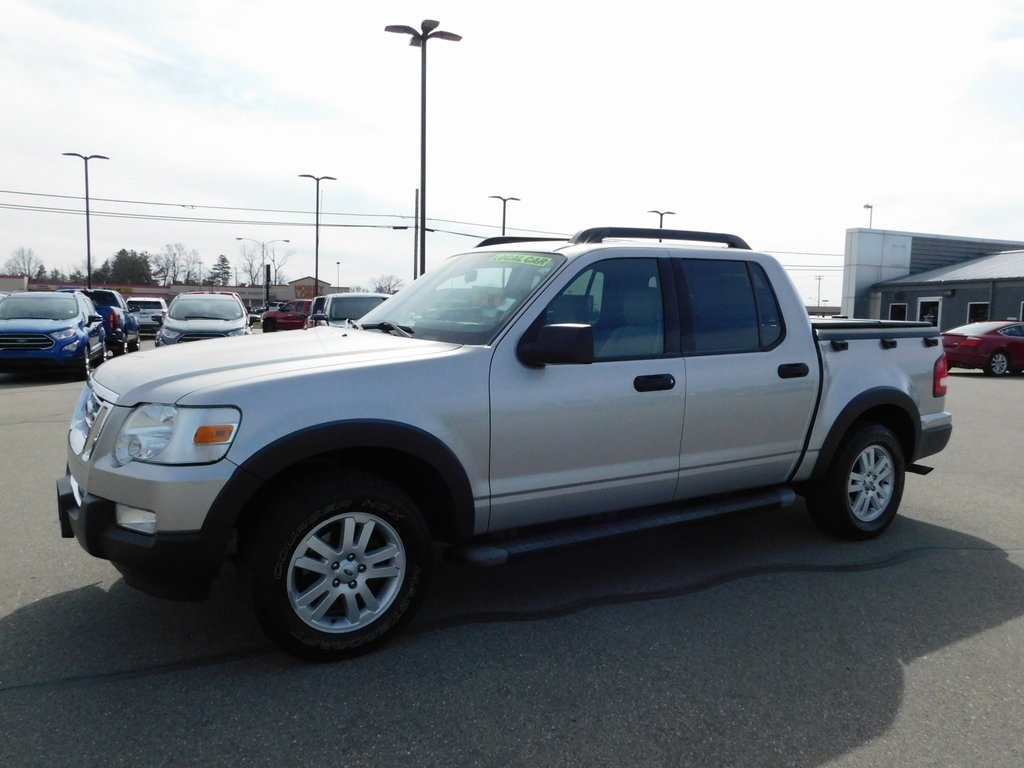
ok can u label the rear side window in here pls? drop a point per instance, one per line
(728, 307)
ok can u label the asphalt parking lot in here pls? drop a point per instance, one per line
(748, 641)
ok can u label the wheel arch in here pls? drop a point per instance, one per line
(890, 408)
(414, 460)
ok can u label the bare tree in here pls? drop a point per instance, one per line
(23, 261)
(277, 262)
(172, 265)
(386, 284)
(251, 261)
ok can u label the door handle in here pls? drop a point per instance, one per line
(793, 370)
(654, 383)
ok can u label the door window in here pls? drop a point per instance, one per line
(732, 307)
(622, 300)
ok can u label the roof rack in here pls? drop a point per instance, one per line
(600, 234)
(503, 239)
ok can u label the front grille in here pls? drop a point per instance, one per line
(25, 341)
(199, 337)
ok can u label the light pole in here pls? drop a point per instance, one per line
(871, 214)
(88, 235)
(428, 30)
(661, 218)
(316, 257)
(337, 275)
(263, 263)
(504, 202)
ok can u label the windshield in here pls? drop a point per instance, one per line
(344, 307)
(205, 308)
(47, 308)
(468, 298)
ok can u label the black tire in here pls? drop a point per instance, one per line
(269, 326)
(119, 348)
(136, 345)
(310, 559)
(860, 494)
(998, 364)
(84, 367)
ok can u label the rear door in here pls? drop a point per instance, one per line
(751, 382)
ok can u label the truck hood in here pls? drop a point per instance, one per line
(169, 374)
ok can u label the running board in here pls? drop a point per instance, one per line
(491, 551)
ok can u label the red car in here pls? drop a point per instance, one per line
(291, 316)
(997, 347)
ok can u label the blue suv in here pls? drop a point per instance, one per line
(50, 330)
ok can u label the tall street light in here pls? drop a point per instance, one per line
(263, 263)
(316, 257)
(88, 236)
(871, 214)
(337, 275)
(504, 202)
(428, 30)
(661, 218)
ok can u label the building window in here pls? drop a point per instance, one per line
(897, 311)
(977, 311)
(929, 310)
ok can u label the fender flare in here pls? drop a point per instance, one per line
(881, 397)
(289, 450)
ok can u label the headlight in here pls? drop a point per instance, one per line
(168, 335)
(67, 333)
(169, 434)
(239, 331)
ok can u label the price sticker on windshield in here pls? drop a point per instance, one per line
(529, 259)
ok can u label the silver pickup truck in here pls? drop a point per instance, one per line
(551, 392)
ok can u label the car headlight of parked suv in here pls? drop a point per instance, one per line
(67, 333)
(157, 433)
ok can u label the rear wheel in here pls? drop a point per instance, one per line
(269, 326)
(998, 364)
(861, 493)
(136, 344)
(337, 564)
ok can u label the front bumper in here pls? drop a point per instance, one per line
(175, 566)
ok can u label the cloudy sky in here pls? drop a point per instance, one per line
(775, 121)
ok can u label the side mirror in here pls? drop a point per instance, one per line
(318, 318)
(93, 319)
(560, 344)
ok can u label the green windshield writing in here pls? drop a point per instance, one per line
(529, 259)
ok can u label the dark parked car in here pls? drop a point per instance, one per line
(339, 308)
(997, 347)
(121, 327)
(50, 330)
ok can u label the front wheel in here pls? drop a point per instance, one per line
(861, 492)
(337, 564)
(998, 364)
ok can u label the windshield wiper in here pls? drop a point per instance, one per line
(385, 325)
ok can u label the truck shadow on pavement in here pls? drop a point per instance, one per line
(742, 641)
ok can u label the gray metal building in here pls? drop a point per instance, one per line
(948, 281)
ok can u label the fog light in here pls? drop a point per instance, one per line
(135, 519)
